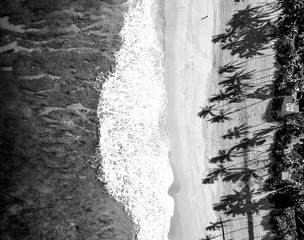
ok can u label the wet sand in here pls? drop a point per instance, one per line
(192, 62)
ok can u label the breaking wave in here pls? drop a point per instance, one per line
(134, 143)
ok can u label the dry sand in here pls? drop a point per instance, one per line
(191, 76)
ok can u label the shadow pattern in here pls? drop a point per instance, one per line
(242, 200)
(248, 32)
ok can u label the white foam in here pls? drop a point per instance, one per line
(134, 143)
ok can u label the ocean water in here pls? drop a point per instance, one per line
(134, 143)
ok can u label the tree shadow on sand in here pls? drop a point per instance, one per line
(230, 67)
(264, 93)
(240, 148)
(237, 132)
(248, 32)
(239, 86)
(261, 133)
(205, 111)
(242, 200)
(228, 174)
(216, 225)
(208, 237)
(221, 117)
(221, 96)
(238, 78)
(223, 156)
(237, 203)
(245, 143)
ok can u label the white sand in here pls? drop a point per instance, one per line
(188, 63)
(191, 62)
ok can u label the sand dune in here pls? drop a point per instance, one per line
(192, 63)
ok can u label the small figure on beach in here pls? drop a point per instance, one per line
(204, 17)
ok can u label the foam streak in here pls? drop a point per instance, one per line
(134, 143)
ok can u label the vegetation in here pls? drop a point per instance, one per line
(287, 155)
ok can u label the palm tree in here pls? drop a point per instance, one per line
(207, 110)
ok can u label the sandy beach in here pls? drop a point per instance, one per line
(192, 77)
(188, 65)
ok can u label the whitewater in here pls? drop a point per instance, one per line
(134, 143)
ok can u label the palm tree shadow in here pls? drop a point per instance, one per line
(216, 225)
(247, 143)
(248, 32)
(237, 132)
(241, 174)
(221, 117)
(234, 87)
(229, 67)
(238, 78)
(208, 237)
(264, 93)
(214, 174)
(264, 132)
(232, 204)
(222, 157)
(230, 174)
(221, 96)
(240, 203)
(205, 111)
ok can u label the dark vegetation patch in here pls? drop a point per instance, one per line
(287, 151)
